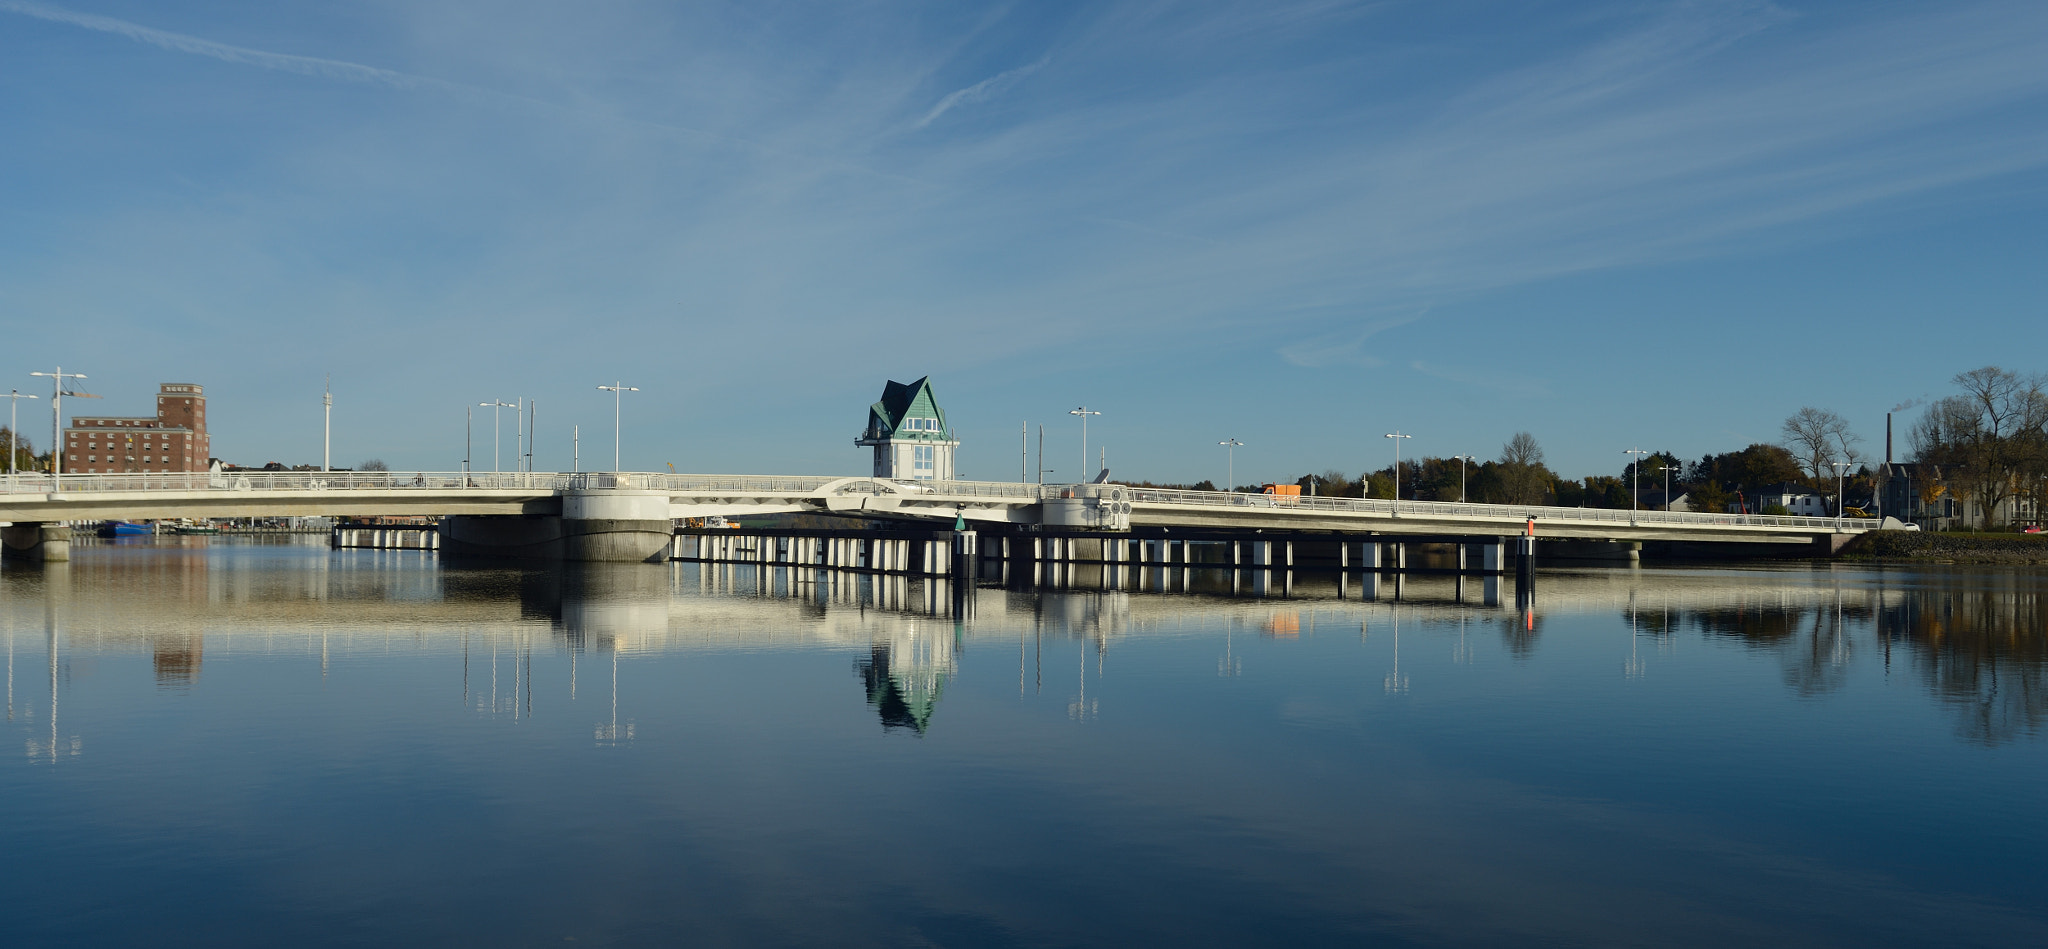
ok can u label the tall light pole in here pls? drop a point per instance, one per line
(14, 397)
(468, 417)
(1461, 475)
(1084, 413)
(1841, 495)
(1668, 469)
(327, 425)
(1635, 471)
(494, 405)
(1230, 447)
(57, 412)
(618, 390)
(1397, 436)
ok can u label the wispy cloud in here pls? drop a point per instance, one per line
(982, 91)
(181, 43)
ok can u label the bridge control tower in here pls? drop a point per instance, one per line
(909, 434)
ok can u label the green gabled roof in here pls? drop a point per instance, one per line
(899, 402)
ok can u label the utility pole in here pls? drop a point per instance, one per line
(1041, 454)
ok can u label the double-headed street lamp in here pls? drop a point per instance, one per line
(1083, 412)
(14, 397)
(57, 412)
(1635, 471)
(1668, 469)
(494, 405)
(1397, 436)
(619, 390)
(1230, 447)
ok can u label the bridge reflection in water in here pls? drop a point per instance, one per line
(1977, 640)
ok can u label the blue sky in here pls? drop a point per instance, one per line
(1302, 225)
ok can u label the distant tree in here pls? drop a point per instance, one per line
(1203, 485)
(1995, 434)
(1820, 438)
(374, 464)
(1707, 497)
(1523, 477)
(23, 450)
(1569, 493)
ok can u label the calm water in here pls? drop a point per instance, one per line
(222, 742)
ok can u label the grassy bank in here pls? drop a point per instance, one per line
(1957, 548)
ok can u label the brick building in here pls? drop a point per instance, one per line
(175, 440)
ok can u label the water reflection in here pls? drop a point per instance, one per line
(1973, 639)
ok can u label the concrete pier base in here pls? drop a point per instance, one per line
(36, 543)
(595, 526)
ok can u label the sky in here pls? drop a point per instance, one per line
(1301, 225)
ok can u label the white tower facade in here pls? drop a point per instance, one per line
(909, 434)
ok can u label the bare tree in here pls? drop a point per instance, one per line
(1995, 434)
(1523, 478)
(374, 464)
(1819, 438)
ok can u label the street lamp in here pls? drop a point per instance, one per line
(495, 405)
(1397, 436)
(618, 391)
(14, 397)
(1668, 469)
(1635, 476)
(1841, 496)
(1084, 413)
(1230, 463)
(1461, 475)
(56, 412)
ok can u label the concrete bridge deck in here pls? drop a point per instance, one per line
(37, 498)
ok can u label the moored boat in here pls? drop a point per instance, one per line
(124, 529)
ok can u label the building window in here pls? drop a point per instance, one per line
(921, 462)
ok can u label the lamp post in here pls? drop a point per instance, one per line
(618, 391)
(1668, 469)
(1230, 447)
(14, 397)
(468, 417)
(495, 405)
(57, 412)
(1397, 436)
(327, 425)
(1635, 473)
(1841, 496)
(1084, 413)
(1461, 475)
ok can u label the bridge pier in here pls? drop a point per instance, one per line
(36, 542)
(595, 526)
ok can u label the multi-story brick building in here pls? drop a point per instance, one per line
(175, 440)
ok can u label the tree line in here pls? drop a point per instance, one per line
(1990, 439)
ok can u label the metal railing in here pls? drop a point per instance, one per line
(938, 491)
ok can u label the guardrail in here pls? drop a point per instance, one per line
(780, 485)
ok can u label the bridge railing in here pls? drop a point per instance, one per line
(1453, 510)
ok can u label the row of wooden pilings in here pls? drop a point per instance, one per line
(921, 553)
(423, 537)
(1374, 554)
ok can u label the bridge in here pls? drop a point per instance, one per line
(605, 516)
